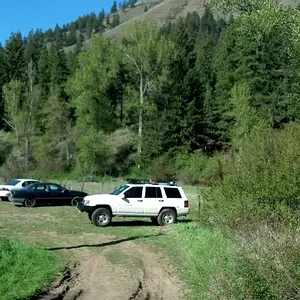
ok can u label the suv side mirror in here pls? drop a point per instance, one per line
(122, 195)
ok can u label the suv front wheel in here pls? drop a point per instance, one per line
(101, 217)
(166, 217)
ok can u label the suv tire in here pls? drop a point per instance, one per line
(166, 217)
(101, 217)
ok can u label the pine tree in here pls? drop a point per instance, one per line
(14, 62)
(116, 21)
(114, 8)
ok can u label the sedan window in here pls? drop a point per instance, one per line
(40, 187)
(55, 187)
(12, 182)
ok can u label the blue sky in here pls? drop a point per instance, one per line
(24, 15)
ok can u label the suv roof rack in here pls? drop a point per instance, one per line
(147, 181)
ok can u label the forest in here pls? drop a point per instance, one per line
(161, 102)
(97, 112)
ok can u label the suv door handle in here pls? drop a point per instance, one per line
(140, 200)
(161, 200)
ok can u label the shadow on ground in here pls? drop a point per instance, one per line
(141, 223)
(110, 243)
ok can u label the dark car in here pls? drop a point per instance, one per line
(45, 192)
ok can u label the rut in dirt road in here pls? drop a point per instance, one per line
(95, 278)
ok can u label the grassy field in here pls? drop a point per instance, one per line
(63, 230)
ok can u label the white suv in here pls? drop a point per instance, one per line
(161, 201)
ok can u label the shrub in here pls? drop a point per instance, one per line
(259, 200)
(188, 167)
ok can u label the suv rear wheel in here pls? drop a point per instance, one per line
(101, 217)
(166, 217)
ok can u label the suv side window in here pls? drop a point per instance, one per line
(172, 192)
(134, 192)
(153, 192)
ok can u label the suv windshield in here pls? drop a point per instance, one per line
(12, 182)
(120, 190)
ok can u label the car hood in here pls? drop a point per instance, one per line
(99, 197)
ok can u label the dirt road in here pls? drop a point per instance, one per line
(124, 270)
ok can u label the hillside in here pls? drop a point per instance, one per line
(160, 14)
(158, 11)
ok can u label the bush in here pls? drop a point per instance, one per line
(265, 171)
(188, 167)
(268, 264)
(259, 200)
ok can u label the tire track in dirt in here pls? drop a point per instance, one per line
(93, 277)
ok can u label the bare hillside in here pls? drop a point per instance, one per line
(161, 13)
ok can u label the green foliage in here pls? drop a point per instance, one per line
(188, 167)
(236, 6)
(24, 269)
(89, 87)
(263, 171)
(94, 142)
(267, 265)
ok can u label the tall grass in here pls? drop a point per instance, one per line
(258, 200)
(24, 269)
(205, 258)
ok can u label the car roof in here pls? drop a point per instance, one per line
(152, 185)
(26, 179)
(43, 182)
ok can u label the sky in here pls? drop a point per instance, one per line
(24, 15)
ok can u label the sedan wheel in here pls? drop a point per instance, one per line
(30, 202)
(74, 201)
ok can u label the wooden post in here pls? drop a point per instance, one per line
(102, 184)
(83, 184)
(200, 199)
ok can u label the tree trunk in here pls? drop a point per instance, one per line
(140, 133)
(26, 153)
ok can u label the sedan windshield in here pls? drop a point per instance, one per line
(120, 190)
(12, 182)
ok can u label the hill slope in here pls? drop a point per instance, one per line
(161, 13)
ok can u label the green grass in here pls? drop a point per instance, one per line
(24, 269)
(204, 259)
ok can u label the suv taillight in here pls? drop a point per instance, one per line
(186, 203)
